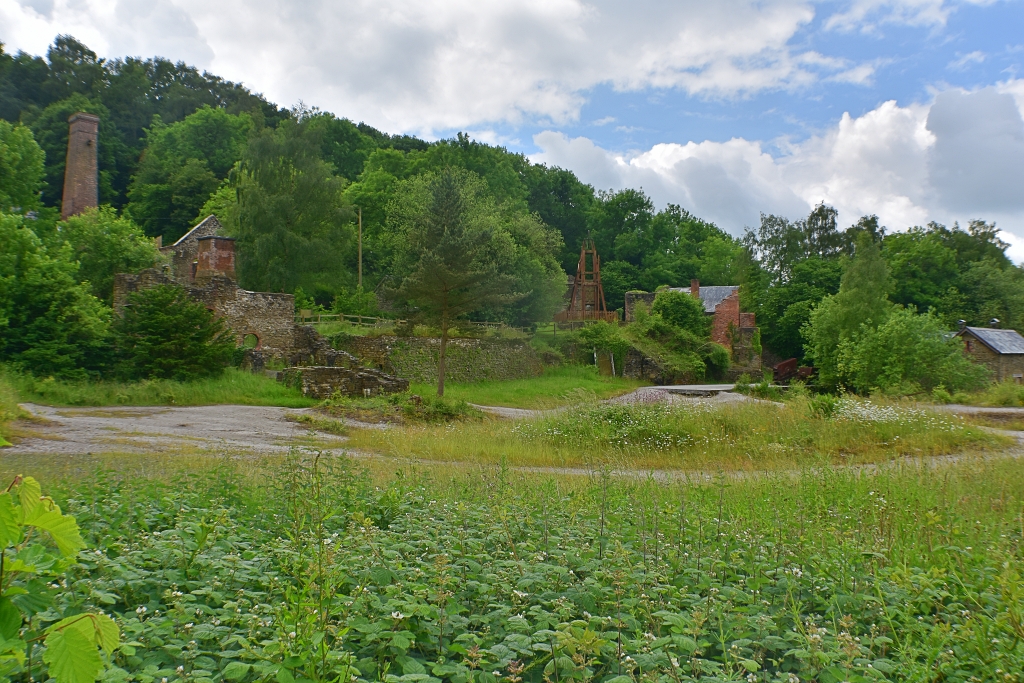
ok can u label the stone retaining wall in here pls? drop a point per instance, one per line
(466, 360)
(322, 382)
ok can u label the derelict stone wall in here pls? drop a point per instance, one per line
(632, 298)
(322, 382)
(466, 360)
(744, 357)
(269, 316)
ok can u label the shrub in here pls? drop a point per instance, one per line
(906, 354)
(49, 323)
(165, 334)
(105, 245)
(683, 311)
(941, 395)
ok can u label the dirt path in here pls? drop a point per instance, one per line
(158, 429)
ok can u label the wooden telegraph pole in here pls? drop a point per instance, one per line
(360, 247)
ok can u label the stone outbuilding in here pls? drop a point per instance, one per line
(1001, 351)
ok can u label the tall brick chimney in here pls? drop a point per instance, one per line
(81, 172)
(695, 289)
(215, 256)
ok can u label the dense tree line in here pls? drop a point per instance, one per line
(177, 144)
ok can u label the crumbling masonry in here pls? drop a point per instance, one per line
(203, 262)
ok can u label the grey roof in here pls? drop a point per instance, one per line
(1000, 341)
(205, 228)
(711, 296)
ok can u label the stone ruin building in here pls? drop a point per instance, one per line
(203, 262)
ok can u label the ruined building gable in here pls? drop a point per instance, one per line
(185, 252)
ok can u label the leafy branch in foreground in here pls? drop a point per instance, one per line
(29, 575)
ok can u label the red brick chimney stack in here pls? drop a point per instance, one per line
(81, 170)
(695, 289)
(216, 256)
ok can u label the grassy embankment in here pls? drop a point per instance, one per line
(275, 569)
(748, 436)
(234, 386)
(558, 386)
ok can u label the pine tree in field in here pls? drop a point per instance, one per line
(449, 236)
(165, 334)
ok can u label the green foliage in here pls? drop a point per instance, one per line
(683, 311)
(450, 263)
(860, 302)
(684, 355)
(105, 245)
(182, 167)
(516, 571)
(355, 302)
(49, 323)
(785, 307)
(21, 168)
(164, 334)
(293, 223)
(907, 354)
(73, 644)
(126, 93)
(50, 128)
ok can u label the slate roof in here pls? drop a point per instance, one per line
(205, 228)
(1000, 341)
(711, 296)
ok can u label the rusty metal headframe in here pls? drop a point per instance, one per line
(586, 299)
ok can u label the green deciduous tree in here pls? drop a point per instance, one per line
(683, 311)
(184, 163)
(21, 168)
(50, 324)
(294, 226)
(105, 245)
(907, 354)
(452, 235)
(163, 333)
(862, 301)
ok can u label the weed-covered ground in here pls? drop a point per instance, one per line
(299, 569)
(753, 435)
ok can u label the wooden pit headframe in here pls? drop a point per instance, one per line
(586, 300)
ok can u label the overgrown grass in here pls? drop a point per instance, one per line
(8, 409)
(1006, 394)
(234, 386)
(748, 436)
(290, 568)
(558, 386)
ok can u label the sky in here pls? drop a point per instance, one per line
(907, 109)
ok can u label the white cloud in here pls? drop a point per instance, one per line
(112, 28)
(868, 16)
(962, 62)
(428, 65)
(958, 159)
